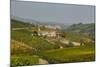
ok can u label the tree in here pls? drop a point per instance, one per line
(35, 33)
(81, 42)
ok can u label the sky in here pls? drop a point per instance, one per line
(54, 13)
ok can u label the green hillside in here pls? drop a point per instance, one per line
(19, 24)
(67, 55)
(35, 42)
(82, 28)
(27, 49)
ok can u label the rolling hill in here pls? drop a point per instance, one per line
(82, 28)
(26, 47)
(19, 24)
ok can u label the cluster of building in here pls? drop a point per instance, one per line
(48, 31)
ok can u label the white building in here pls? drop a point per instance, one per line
(47, 33)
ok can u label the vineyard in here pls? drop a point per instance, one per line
(35, 42)
(28, 50)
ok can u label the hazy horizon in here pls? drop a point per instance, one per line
(57, 13)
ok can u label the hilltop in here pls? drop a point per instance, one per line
(19, 24)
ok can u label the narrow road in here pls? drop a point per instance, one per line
(19, 28)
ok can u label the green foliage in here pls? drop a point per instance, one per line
(23, 60)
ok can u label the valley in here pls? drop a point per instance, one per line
(41, 44)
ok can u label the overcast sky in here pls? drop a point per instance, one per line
(49, 12)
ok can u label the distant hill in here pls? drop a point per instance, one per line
(19, 24)
(82, 28)
(33, 21)
(25, 20)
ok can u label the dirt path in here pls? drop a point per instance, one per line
(42, 61)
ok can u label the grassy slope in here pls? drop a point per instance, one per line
(18, 48)
(33, 41)
(22, 54)
(76, 32)
(73, 54)
(76, 36)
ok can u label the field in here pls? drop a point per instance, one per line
(68, 55)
